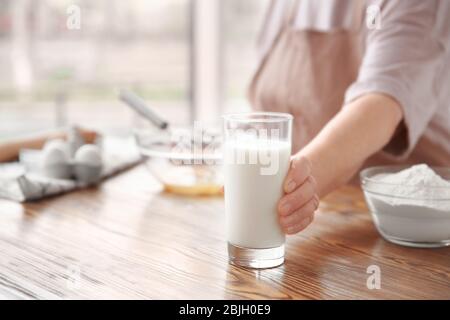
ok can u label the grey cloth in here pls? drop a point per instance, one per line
(17, 184)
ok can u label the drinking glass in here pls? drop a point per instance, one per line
(256, 154)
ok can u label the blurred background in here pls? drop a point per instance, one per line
(189, 59)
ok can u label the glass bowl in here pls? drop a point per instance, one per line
(406, 220)
(182, 161)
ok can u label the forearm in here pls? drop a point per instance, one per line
(359, 130)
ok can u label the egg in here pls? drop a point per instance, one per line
(58, 144)
(89, 154)
(55, 160)
(55, 153)
(88, 164)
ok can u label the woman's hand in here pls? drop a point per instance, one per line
(296, 208)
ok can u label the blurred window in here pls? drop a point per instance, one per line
(241, 24)
(52, 74)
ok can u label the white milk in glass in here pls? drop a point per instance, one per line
(255, 170)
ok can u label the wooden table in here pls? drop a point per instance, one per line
(126, 239)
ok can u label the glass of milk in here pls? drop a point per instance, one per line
(256, 151)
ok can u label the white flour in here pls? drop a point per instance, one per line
(413, 205)
(419, 183)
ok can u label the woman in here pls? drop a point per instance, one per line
(361, 91)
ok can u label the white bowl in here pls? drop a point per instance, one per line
(414, 222)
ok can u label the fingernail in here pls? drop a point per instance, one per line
(290, 230)
(284, 207)
(290, 186)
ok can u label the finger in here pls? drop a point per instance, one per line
(299, 215)
(300, 170)
(294, 200)
(300, 226)
(317, 201)
(222, 190)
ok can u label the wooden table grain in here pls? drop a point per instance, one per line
(128, 240)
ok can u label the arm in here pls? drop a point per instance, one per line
(360, 129)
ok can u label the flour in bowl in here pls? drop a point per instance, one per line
(417, 185)
(411, 207)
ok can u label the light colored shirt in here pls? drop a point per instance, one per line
(405, 56)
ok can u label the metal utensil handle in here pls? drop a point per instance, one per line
(141, 107)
